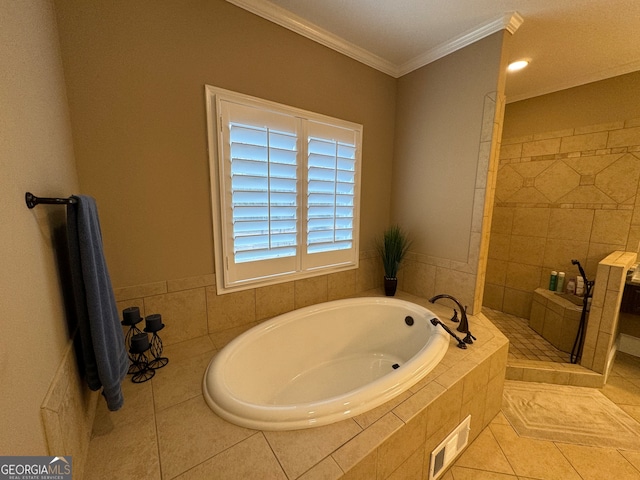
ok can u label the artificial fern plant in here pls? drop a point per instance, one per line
(393, 248)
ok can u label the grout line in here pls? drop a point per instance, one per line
(632, 465)
(568, 460)
(276, 456)
(206, 308)
(155, 425)
(500, 445)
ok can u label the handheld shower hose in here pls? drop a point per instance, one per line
(576, 351)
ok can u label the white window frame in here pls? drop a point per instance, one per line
(231, 276)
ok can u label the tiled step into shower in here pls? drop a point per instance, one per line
(534, 359)
(525, 343)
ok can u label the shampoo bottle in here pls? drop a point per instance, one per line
(579, 286)
(560, 286)
(571, 286)
(553, 281)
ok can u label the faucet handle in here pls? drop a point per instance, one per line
(455, 316)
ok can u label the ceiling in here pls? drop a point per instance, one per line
(569, 42)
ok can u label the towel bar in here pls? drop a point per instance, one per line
(32, 200)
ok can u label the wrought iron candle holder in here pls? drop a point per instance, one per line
(131, 317)
(154, 325)
(141, 370)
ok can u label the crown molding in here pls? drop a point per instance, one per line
(512, 22)
(278, 15)
(286, 19)
(509, 21)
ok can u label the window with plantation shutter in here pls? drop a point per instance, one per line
(285, 191)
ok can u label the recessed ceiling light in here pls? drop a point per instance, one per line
(517, 65)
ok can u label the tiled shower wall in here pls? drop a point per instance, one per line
(570, 194)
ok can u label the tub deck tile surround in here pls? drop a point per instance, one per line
(166, 426)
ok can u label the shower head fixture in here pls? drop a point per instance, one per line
(582, 274)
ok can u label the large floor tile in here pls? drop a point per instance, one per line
(632, 457)
(300, 450)
(485, 454)
(138, 399)
(626, 366)
(448, 475)
(179, 381)
(251, 459)
(533, 458)
(128, 451)
(190, 433)
(589, 462)
(178, 352)
(463, 473)
(500, 419)
(622, 391)
(632, 410)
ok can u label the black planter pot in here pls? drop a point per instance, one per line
(390, 286)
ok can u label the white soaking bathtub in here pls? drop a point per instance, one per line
(324, 363)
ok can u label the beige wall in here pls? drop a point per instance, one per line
(609, 100)
(136, 72)
(447, 128)
(36, 155)
(566, 193)
(439, 118)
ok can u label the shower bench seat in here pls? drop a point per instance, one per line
(555, 318)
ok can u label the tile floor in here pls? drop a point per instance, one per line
(500, 454)
(524, 342)
(130, 443)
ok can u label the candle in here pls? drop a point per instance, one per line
(153, 323)
(139, 343)
(131, 316)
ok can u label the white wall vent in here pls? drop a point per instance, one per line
(449, 449)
